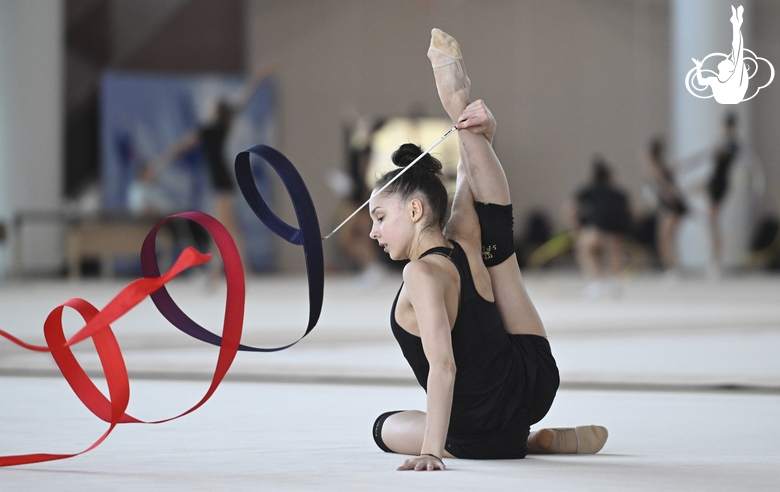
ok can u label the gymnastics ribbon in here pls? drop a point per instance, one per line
(308, 236)
(98, 328)
(112, 409)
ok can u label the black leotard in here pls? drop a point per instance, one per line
(212, 140)
(494, 399)
(669, 196)
(719, 181)
(605, 208)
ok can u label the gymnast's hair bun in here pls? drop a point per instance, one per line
(408, 152)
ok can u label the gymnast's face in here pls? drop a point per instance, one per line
(392, 225)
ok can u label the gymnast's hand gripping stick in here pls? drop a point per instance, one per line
(394, 178)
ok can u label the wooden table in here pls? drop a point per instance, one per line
(102, 236)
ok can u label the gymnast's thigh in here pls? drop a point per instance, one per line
(498, 253)
(547, 379)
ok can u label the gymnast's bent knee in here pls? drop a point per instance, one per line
(380, 421)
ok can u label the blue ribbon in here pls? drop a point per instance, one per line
(308, 235)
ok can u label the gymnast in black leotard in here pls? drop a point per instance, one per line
(211, 137)
(671, 206)
(504, 382)
(468, 328)
(725, 156)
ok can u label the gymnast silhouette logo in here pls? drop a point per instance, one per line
(730, 84)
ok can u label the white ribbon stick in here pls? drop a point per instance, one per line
(394, 178)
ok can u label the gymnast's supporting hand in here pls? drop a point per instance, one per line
(424, 462)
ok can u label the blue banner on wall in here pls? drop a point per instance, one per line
(143, 116)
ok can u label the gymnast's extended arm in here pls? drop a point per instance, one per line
(251, 87)
(425, 285)
(173, 152)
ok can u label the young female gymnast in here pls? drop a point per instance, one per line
(671, 206)
(212, 137)
(468, 329)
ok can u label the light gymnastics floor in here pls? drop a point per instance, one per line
(686, 378)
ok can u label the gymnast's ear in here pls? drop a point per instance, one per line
(416, 209)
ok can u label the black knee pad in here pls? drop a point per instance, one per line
(496, 223)
(380, 421)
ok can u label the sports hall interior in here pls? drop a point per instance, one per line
(683, 372)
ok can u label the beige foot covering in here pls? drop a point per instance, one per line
(445, 51)
(585, 439)
(590, 438)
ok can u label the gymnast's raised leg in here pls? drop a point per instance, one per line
(483, 184)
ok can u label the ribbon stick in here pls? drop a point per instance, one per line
(380, 190)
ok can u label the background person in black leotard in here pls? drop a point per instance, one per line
(211, 136)
(725, 156)
(600, 216)
(671, 206)
(486, 366)
(359, 248)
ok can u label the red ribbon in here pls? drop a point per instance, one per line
(97, 327)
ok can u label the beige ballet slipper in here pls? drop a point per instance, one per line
(448, 51)
(590, 438)
(452, 82)
(584, 439)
